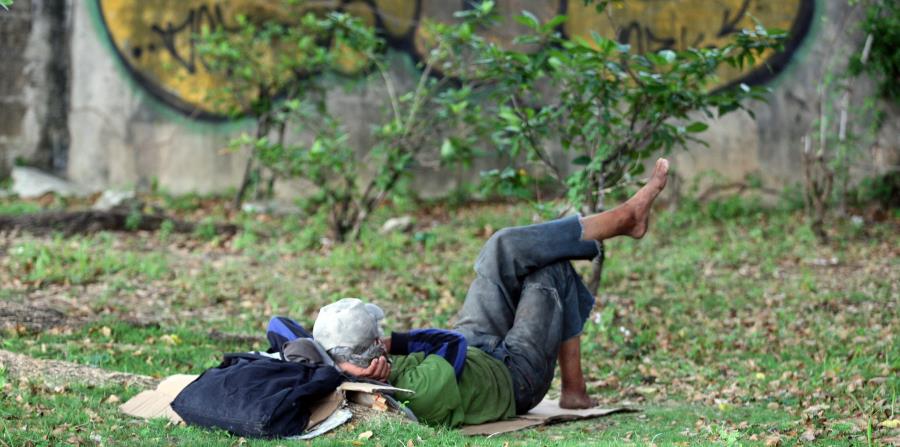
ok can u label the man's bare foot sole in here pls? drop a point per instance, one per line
(576, 401)
(640, 203)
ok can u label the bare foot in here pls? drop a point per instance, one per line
(640, 203)
(576, 401)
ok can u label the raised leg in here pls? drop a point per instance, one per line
(511, 254)
(527, 305)
(552, 307)
(506, 259)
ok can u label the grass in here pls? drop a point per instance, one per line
(729, 324)
(80, 260)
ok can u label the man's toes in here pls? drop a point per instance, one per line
(662, 167)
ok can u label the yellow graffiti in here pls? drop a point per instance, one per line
(156, 42)
(677, 25)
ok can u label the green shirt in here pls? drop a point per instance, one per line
(484, 392)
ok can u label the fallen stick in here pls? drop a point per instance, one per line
(90, 221)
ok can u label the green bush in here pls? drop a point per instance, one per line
(882, 23)
(883, 189)
(282, 75)
(610, 108)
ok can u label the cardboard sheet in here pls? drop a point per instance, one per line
(336, 419)
(371, 388)
(155, 403)
(324, 408)
(547, 412)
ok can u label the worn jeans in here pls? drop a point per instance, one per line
(526, 300)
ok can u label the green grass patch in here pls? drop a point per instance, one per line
(80, 260)
(725, 325)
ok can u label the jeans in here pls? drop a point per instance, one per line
(526, 300)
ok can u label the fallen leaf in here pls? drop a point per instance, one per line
(365, 435)
(112, 399)
(817, 408)
(106, 331)
(646, 390)
(171, 339)
(890, 423)
(809, 435)
(773, 441)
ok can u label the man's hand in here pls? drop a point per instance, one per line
(378, 370)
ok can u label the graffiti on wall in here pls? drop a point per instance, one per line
(157, 47)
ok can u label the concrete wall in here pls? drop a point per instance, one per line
(34, 64)
(135, 107)
(771, 145)
(122, 137)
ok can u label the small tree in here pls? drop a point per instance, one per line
(433, 109)
(849, 117)
(261, 62)
(287, 89)
(882, 62)
(608, 107)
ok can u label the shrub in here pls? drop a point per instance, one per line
(882, 24)
(347, 187)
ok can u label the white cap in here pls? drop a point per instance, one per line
(349, 322)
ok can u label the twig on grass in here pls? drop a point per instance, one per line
(74, 222)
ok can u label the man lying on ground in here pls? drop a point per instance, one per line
(525, 309)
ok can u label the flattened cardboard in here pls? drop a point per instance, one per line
(322, 409)
(371, 388)
(545, 413)
(549, 410)
(155, 403)
(336, 419)
(498, 427)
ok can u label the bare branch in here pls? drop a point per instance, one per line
(389, 85)
(534, 142)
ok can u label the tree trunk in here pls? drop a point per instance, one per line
(245, 182)
(251, 173)
(269, 192)
(89, 221)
